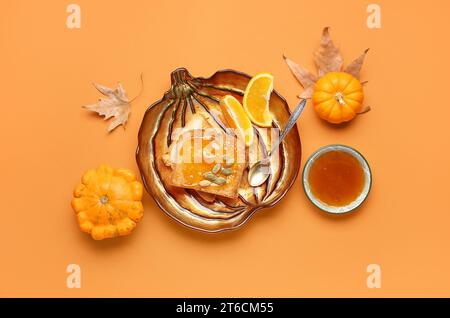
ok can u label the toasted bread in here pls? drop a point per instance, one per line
(204, 158)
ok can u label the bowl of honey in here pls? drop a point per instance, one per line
(337, 179)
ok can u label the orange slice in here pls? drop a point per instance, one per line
(237, 118)
(256, 99)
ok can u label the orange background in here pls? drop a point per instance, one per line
(294, 249)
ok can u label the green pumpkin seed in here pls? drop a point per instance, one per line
(227, 171)
(220, 181)
(204, 183)
(210, 176)
(216, 168)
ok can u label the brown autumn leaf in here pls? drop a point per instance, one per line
(304, 77)
(354, 67)
(115, 104)
(327, 59)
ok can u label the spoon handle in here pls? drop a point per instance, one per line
(291, 122)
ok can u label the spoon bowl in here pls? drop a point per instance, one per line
(260, 171)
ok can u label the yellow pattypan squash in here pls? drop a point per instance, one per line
(338, 97)
(108, 202)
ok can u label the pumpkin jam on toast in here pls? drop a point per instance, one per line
(204, 158)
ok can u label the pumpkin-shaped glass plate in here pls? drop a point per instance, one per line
(186, 95)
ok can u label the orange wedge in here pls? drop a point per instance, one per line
(236, 117)
(256, 99)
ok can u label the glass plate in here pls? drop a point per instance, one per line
(187, 94)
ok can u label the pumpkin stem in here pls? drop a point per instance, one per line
(104, 199)
(340, 98)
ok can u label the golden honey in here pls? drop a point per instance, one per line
(336, 178)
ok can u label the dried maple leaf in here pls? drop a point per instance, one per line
(116, 104)
(305, 78)
(354, 67)
(327, 59)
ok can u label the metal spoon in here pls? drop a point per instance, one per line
(260, 171)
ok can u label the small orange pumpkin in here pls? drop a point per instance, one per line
(338, 97)
(108, 202)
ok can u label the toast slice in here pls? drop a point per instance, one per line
(204, 158)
